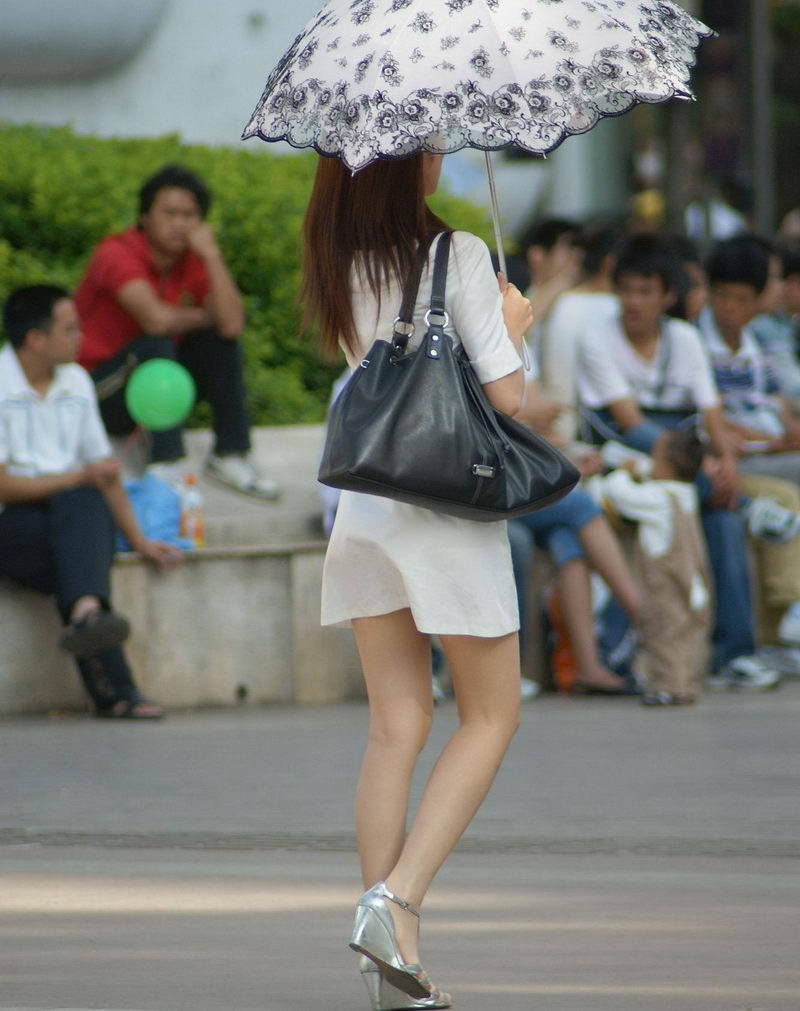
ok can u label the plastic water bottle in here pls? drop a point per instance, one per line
(192, 517)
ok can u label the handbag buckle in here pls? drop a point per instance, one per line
(483, 470)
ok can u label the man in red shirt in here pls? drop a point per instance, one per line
(162, 289)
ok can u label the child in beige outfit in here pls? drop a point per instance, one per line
(672, 567)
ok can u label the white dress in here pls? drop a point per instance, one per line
(454, 574)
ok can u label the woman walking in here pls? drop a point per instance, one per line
(399, 573)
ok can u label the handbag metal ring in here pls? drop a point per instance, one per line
(437, 312)
(404, 329)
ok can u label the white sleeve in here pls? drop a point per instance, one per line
(4, 448)
(94, 444)
(559, 345)
(477, 311)
(597, 376)
(695, 365)
(643, 503)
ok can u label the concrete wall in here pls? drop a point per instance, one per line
(48, 40)
(228, 620)
(199, 74)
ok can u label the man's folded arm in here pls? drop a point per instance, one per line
(156, 317)
(16, 490)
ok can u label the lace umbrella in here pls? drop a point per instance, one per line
(371, 79)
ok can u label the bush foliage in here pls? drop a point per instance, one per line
(61, 193)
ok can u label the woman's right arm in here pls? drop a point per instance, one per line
(506, 394)
(490, 320)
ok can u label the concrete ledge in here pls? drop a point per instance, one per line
(35, 676)
(230, 624)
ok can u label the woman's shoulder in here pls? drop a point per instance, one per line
(468, 247)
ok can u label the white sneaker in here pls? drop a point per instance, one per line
(746, 673)
(771, 522)
(237, 472)
(785, 659)
(529, 690)
(172, 472)
(789, 628)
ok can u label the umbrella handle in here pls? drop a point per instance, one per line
(498, 237)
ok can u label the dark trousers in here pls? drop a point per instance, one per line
(64, 547)
(216, 366)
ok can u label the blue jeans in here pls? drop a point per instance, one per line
(733, 633)
(555, 529)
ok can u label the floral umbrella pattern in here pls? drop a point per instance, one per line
(373, 79)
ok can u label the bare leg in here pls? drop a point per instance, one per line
(486, 681)
(397, 668)
(83, 606)
(575, 593)
(605, 556)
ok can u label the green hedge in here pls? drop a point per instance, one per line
(61, 193)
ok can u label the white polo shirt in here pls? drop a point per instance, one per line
(609, 369)
(50, 434)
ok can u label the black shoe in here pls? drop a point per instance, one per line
(131, 709)
(98, 631)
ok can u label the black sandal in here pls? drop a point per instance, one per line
(97, 631)
(131, 709)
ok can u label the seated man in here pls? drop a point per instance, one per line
(162, 290)
(765, 428)
(61, 495)
(553, 263)
(583, 307)
(775, 328)
(643, 373)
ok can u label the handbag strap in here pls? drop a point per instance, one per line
(436, 318)
(404, 323)
(439, 283)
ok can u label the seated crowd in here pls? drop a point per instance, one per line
(673, 385)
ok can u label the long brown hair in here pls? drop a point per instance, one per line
(378, 215)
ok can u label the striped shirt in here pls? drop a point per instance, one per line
(746, 379)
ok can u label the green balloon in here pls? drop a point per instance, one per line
(159, 394)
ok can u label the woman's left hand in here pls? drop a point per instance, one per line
(517, 310)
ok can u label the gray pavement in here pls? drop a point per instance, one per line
(626, 860)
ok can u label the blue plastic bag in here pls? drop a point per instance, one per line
(157, 507)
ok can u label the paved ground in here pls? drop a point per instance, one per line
(627, 860)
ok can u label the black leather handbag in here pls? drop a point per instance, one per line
(417, 427)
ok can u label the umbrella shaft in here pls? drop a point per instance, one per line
(498, 237)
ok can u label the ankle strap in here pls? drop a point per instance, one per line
(400, 902)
